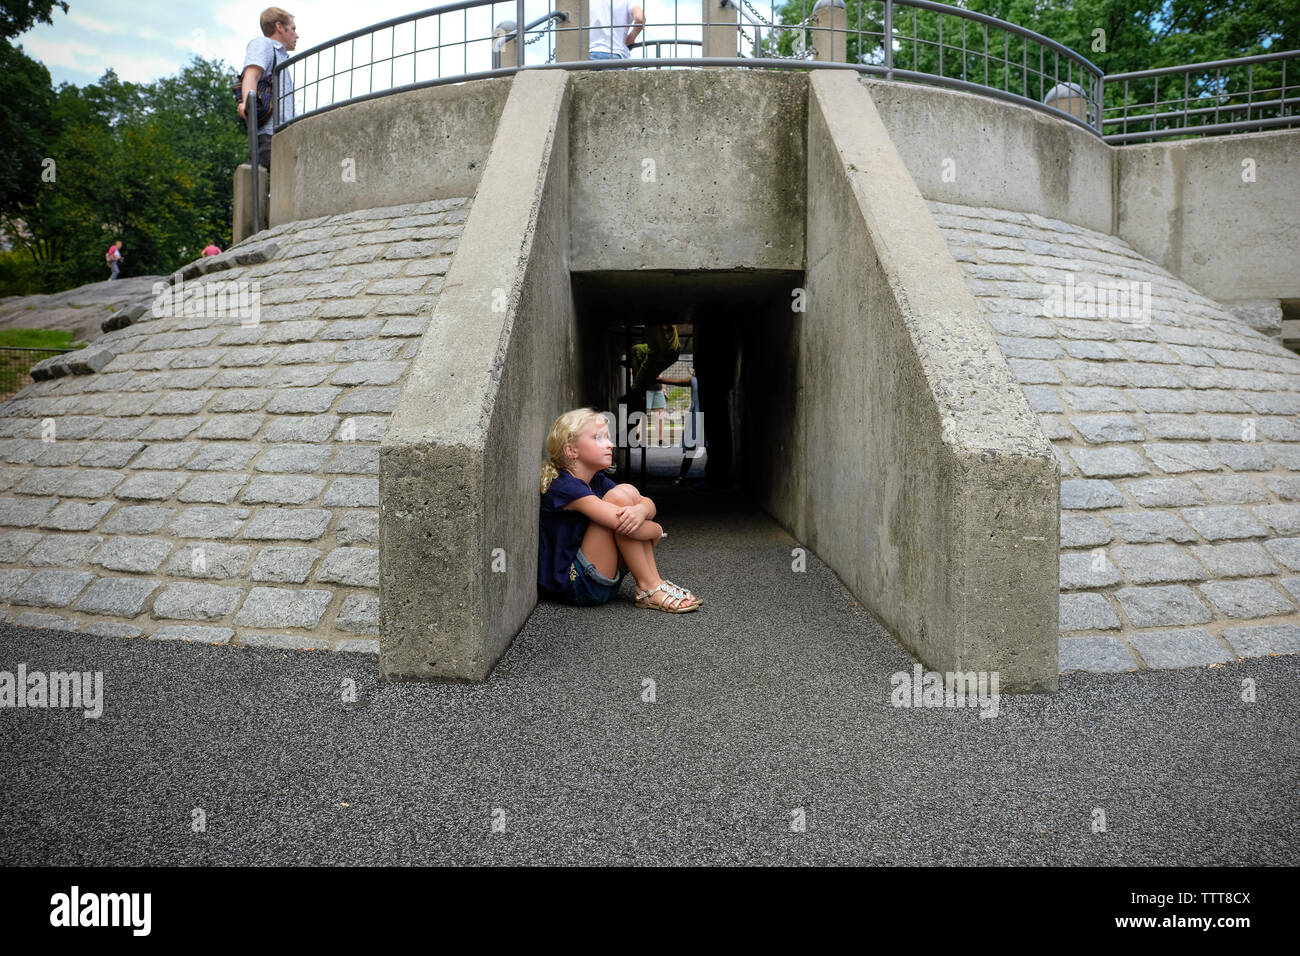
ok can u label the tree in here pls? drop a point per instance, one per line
(27, 124)
(150, 164)
(19, 16)
(1138, 34)
(1116, 36)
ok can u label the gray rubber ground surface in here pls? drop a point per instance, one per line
(775, 696)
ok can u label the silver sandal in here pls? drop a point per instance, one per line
(672, 591)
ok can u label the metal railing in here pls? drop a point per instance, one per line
(250, 110)
(916, 40)
(929, 42)
(1221, 96)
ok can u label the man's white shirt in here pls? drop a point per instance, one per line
(268, 53)
(610, 22)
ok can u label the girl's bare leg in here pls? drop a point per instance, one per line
(609, 550)
(640, 559)
(598, 541)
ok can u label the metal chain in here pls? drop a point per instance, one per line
(783, 26)
(808, 53)
(540, 35)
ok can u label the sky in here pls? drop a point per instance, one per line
(144, 40)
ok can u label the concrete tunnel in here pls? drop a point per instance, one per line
(864, 372)
(722, 317)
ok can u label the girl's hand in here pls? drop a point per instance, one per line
(631, 517)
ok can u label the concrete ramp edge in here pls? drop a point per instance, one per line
(459, 464)
(954, 487)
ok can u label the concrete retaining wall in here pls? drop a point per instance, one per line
(978, 151)
(459, 464)
(677, 169)
(402, 148)
(1187, 207)
(917, 470)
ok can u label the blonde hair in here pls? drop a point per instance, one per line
(271, 16)
(566, 430)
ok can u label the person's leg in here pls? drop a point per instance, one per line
(264, 151)
(598, 542)
(637, 554)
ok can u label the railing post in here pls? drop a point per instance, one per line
(1068, 98)
(522, 21)
(888, 39)
(721, 30)
(505, 45)
(830, 15)
(571, 36)
(250, 111)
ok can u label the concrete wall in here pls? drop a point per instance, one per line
(978, 151)
(915, 468)
(459, 466)
(1186, 206)
(727, 149)
(406, 147)
(888, 435)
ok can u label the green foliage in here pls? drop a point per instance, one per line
(150, 164)
(19, 16)
(26, 124)
(15, 363)
(1116, 36)
(19, 273)
(1137, 34)
(36, 338)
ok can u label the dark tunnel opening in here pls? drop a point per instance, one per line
(736, 332)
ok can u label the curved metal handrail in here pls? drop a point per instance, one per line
(497, 32)
(1076, 82)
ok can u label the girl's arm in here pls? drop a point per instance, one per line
(605, 513)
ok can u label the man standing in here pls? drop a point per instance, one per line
(609, 37)
(264, 53)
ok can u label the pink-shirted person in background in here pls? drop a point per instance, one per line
(211, 250)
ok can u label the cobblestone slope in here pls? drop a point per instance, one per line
(1178, 432)
(212, 474)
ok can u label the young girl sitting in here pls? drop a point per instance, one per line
(593, 531)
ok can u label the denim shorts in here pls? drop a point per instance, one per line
(600, 55)
(655, 398)
(589, 586)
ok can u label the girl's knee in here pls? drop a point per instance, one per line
(625, 493)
